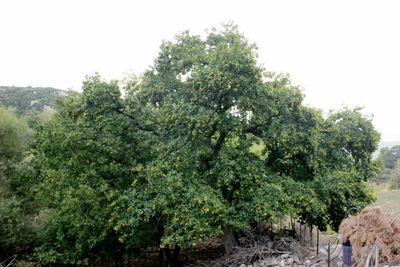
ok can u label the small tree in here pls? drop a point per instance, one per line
(16, 230)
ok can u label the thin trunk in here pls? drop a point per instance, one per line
(300, 231)
(329, 254)
(161, 258)
(161, 251)
(229, 240)
(168, 255)
(317, 241)
(292, 224)
(175, 255)
(166, 258)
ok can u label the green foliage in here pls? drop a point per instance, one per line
(350, 139)
(186, 213)
(390, 156)
(204, 143)
(203, 93)
(17, 233)
(304, 202)
(86, 155)
(343, 193)
(76, 227)
(211, 103)
(13, 136)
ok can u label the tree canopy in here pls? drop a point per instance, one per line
(16, 230)
(205, 143)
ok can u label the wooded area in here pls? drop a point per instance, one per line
(206, 143)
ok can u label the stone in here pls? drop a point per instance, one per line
(284, 256)
(323, 251)
(274, 262)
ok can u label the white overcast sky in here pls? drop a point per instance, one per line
(342, 53)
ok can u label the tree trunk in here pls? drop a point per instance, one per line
(168, 259)
(175, 254)
(229, 240)
(161, 258)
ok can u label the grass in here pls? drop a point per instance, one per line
(379, 188)
(389, 201)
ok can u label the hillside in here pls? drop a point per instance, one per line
(24, 99)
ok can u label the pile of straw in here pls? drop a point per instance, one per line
(369, 229)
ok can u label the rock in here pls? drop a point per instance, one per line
(242, 265)
(296, 260)
(307, 263)
(339, 263)
(273, 262)
(284, 256)
(323, 251)
(282, 263)
(289, 261)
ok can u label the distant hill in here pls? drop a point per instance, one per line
(388, 144)
(25, 99)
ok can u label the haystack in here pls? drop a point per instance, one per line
(370, 228)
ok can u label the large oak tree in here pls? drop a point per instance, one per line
(173, 162)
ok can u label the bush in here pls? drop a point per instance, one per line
(17, 233)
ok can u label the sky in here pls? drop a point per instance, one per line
(341, 53)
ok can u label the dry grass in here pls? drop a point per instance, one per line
(389, 201)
